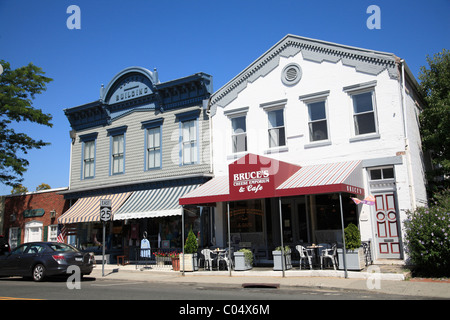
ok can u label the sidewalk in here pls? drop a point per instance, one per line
(382, 280)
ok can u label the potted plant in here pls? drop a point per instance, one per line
(354, 252)
(175, 256)
(160, 258)
(243, 260)
(277, 258)
(190, 253)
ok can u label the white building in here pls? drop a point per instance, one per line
(308, 102)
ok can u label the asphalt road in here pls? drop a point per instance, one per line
(105, 289)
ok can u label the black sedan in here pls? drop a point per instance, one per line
(41, 259)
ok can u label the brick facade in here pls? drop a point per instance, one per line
(23, 209)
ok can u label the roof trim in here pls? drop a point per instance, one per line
(363, 60)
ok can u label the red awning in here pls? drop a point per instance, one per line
(253, 177)
(325, 178)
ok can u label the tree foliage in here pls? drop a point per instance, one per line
(435, 118)
(18, 189)
(18, 89)
(43, 186)
(427, 236)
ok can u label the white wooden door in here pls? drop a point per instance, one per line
(387, 236)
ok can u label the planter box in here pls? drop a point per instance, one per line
(176, 264)
(240, 264)
(190, 262)
(355, 259)
(277, 262)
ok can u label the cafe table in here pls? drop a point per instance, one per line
(316, 249)
(218, 252)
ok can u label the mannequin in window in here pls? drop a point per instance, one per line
(145, 247)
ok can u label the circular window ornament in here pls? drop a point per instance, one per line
(291, 74)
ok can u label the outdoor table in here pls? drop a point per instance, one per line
(316, 250)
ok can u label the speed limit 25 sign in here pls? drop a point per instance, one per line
(105, 210)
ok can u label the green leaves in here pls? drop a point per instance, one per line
(18, 89)
(427, 236)
(435, 118)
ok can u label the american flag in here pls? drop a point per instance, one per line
(61, 233)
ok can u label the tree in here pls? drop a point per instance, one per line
(43, 186)
(17, 189)
(435, 118)
(18, 89)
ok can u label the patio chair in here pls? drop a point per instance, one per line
(207, 256)
(224, 257)
(304, 254)
(329, 254)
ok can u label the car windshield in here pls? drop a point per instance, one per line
(61, 247)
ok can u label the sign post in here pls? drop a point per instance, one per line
(105, 216)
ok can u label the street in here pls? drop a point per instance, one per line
(108, 289)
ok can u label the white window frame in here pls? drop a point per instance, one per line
(309, 100)
(275, 106)
(118, 154)
(239, 138)
(353, 91)
(14, 239)
(153, 148)
(382, 177)
(189, 141)
(89, 159)
(274, 131)
(52, 233)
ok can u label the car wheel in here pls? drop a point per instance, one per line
(38, 272)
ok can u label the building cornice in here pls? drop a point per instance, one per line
(363, 60)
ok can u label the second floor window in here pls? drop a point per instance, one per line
(364, 113)
(317, 121)
(89, 159)
(154, 148)
(117, 154)
(239, 134)
(189, 142)
(277, 135)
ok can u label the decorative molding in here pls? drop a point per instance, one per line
(363, 60)
(135, 89)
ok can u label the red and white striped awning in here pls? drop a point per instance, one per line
(88, 209)
(215, 190)
(325, 178)
(313, 179)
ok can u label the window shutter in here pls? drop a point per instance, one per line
(46, 232)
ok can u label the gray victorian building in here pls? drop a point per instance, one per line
(143, 145)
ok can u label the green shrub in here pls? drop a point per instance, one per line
(191, 245)
(287, 250)
(427, 241)
(248, 256)
(352, 237)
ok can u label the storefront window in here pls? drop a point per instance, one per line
(246, 216)
(328, 212)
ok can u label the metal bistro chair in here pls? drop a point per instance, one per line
(208, 260)
(304, 254)
(329, 254)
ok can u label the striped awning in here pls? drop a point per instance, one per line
(314, 179)
(215, 190)
(88, 209)
(153, 203)
(325, 178)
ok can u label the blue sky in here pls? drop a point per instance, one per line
(180, 38)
